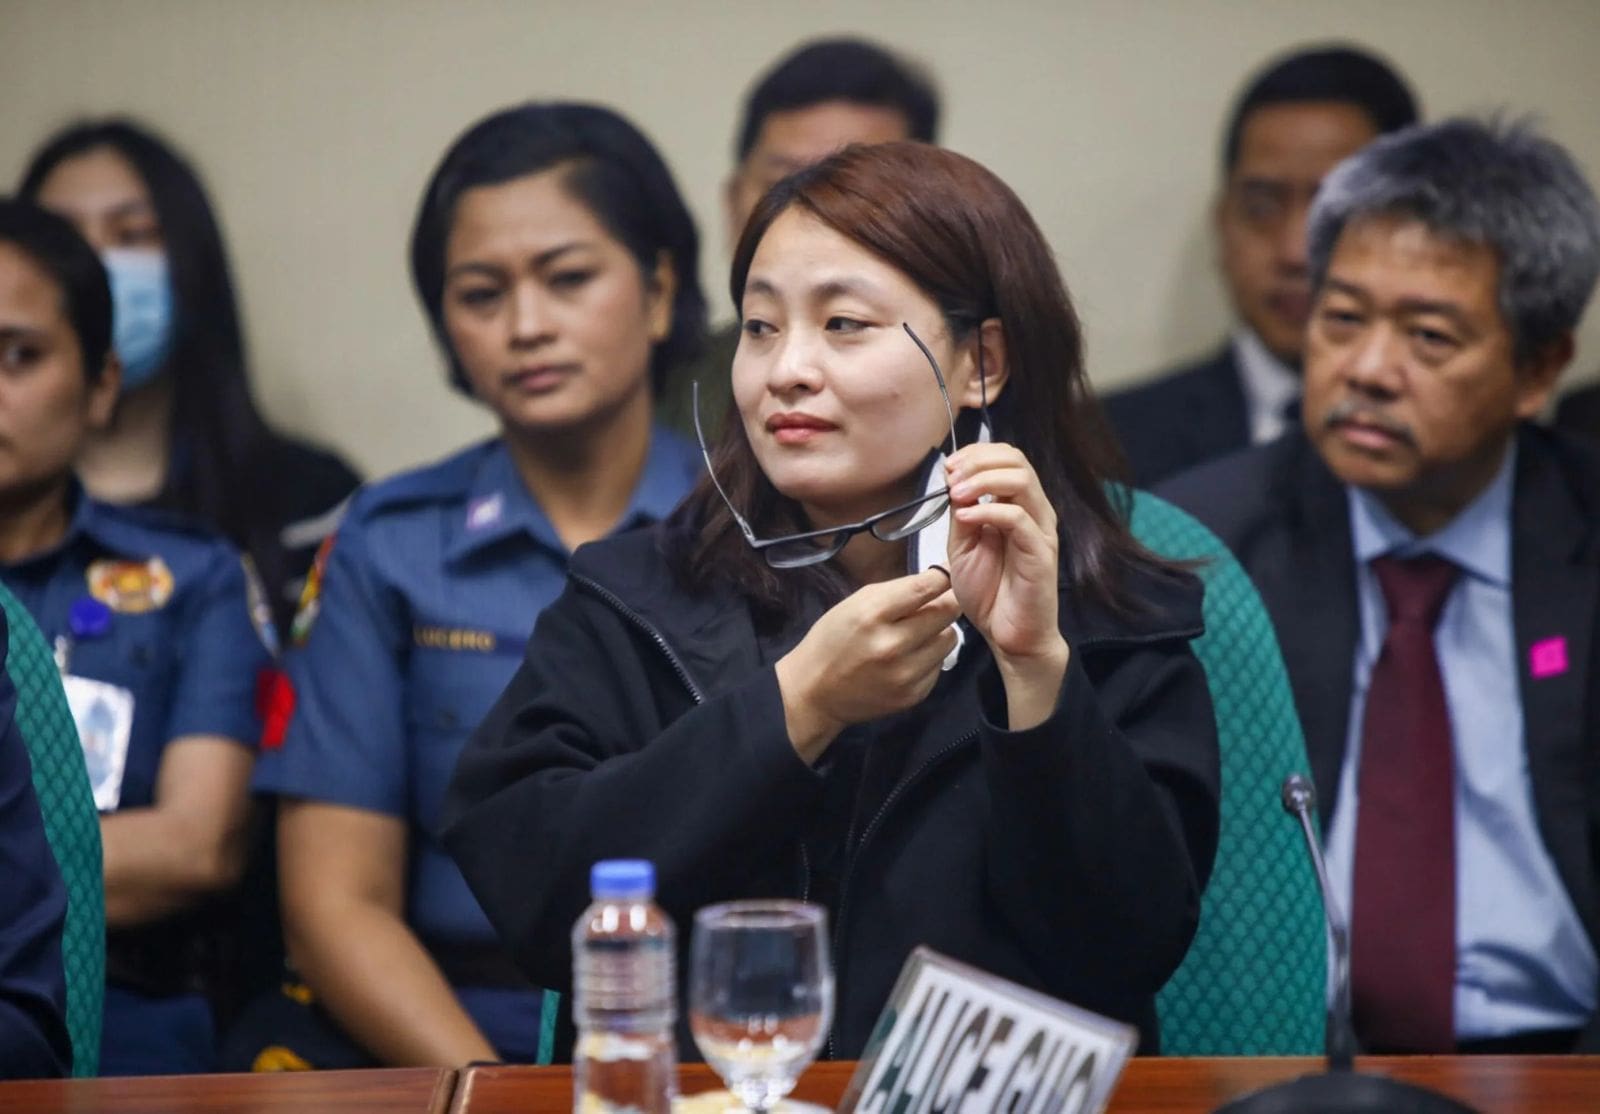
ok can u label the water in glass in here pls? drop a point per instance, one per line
(760, 994)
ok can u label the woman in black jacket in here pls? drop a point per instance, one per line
(959, 709)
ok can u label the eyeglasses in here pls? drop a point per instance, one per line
(795, 551)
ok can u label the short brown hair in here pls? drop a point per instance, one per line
(962, 236)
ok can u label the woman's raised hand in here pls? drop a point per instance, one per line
(1004, 567)
(873, 653)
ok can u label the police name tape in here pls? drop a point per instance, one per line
(454, 638)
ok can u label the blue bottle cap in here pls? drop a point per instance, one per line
(88, 618)
(622, 878)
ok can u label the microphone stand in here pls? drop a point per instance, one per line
(1339, 1041)
(1339, 1089)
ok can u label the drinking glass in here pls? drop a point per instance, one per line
(760, 994)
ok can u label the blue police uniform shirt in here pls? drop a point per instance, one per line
(188, 638)
(425, 600)
(182, 636)
(1523, 960)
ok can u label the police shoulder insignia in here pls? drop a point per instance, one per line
(311, 596)
(130, 587)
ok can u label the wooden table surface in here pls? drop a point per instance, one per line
(392, 1091)
(1492, 1084)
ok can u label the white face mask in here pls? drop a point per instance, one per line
(141, 306)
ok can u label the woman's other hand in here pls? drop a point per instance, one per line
(874, 653)
(1004, 568)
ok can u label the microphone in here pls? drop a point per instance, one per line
(1299, 801)
(1339, 1089)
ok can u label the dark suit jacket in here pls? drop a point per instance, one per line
(1579, 412)
(1186, 417)
(1286, 518)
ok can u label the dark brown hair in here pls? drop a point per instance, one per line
(966, 240)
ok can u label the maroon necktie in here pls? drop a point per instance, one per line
(1403, 922)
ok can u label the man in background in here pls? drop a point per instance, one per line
(1579, 412)
(827, 94)
(1294, 122)
(1431, 562)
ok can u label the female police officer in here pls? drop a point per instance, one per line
(152, 625)
(557, 266)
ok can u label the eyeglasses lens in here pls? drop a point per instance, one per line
(909, 521)
(795, 553)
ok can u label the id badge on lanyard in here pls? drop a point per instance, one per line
(102, 712)
(104, 715)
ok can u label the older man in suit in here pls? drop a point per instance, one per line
(1431, 561)
(1579, 412)
(1292, 124)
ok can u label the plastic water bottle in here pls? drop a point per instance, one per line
(625, 995)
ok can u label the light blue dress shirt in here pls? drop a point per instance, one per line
(1523, 960)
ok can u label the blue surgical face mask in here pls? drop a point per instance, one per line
(141, 312)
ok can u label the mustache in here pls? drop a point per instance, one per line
(1365, 413)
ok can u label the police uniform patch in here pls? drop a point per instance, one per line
(311, 597)
(130, 587)
(486, 511)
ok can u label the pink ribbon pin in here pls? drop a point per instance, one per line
(1548, 657)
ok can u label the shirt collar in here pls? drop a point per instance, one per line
(670, 470)
(88, 520)
(499, 505)
(1268, 383)
(1478, 540)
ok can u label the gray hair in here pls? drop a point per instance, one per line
(1499, 185)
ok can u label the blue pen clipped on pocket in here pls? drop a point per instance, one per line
(87, 619)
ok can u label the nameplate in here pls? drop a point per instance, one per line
(956, 1040)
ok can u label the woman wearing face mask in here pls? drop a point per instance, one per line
(556, 264)
(152, 629)
(186, 434)
(1010, 757)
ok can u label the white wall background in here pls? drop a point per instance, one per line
(316, 122)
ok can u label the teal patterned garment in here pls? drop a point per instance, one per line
(70, 821)
(1253, 983)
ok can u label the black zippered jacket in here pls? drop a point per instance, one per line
(1069, 858)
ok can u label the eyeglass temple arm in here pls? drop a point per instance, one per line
(944, 392)
(705, 455)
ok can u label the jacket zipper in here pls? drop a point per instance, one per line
(643, 624)
(866, 834)
(904, 784)
(665, 647)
